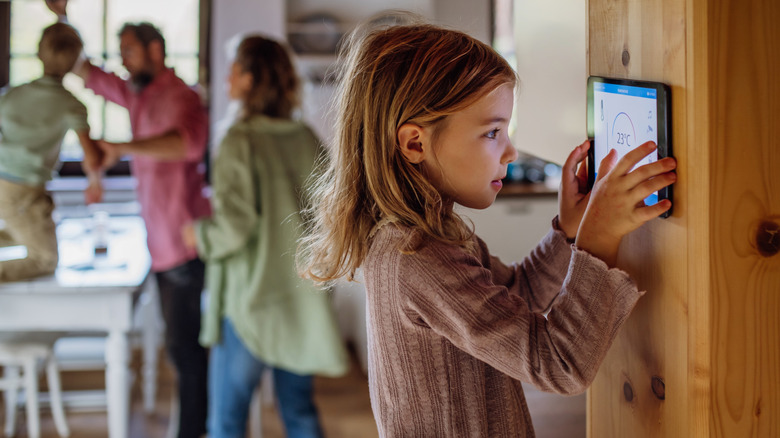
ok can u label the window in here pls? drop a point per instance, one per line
(98, 21)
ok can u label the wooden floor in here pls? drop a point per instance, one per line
(343, 403)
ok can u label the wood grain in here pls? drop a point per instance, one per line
(653, 344)
(707, 326)
(744, 113)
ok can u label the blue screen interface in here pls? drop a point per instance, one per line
(624, 117)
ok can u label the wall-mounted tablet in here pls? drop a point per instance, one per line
(623, 114)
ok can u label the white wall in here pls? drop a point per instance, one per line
(472, 17)
(551, 47)
(232, 17)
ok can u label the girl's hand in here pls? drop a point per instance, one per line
(617, 205)
(573, 196)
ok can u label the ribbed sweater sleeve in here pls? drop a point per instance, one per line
(452, 333)
(452, 293)
(538, 277)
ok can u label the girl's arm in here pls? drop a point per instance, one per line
(91, 165)
(451, 293)
(234, 201)
(562, 352)
(539, 276)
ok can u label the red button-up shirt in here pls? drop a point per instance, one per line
(170, 191)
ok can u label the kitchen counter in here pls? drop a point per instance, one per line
(527, 190)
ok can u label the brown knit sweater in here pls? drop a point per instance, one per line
(452, 335)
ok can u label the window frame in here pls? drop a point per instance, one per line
(73, 167)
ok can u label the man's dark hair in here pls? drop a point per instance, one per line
(145, 32)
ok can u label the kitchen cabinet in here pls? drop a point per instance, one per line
(514, 225)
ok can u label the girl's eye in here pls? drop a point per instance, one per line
(492, 134)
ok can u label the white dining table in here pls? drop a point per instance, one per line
(92, 293)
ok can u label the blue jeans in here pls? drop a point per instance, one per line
(233, 375)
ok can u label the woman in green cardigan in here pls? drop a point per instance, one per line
(260, 312)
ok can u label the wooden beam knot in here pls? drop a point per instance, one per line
(768, 238)
(625, 58)
(628, 392)
(659, 388)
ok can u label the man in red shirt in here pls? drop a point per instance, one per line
(170, 132)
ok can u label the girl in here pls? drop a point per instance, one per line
(422, 125)
(261, 314)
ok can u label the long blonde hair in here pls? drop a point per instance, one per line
(416, 73)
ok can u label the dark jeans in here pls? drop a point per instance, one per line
(180, 290)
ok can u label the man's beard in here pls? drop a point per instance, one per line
(140, 80)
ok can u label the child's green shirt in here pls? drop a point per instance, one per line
(34, 118)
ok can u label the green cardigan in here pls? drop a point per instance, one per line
(249, 248)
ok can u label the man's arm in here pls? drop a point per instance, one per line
(82, 67)
(168, 146)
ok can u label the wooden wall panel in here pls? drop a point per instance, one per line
(641, 388)
(745, 131)
(700, 355)
(697, 210)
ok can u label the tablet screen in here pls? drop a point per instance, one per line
(624, 117)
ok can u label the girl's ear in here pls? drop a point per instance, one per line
(414, 142)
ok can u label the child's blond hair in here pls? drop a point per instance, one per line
(59, 48)
(416, 73)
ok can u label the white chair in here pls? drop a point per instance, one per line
(20, 360)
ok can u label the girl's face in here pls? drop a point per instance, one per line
(472, 151)
(239, 82)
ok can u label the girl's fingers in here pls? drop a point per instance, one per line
(633, 157)
(575, 157)
(582, 177)
(652, 170)
(607, 164)
(571, 181)
(653, 211)
(653, 185)
(582, 171)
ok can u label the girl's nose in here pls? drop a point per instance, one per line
(510, 153)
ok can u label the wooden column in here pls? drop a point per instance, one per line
(700, 354)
